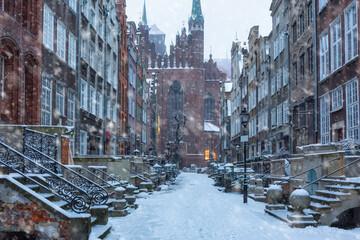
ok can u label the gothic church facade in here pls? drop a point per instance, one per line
(187, 86)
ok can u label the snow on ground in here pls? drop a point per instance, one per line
(194, 209)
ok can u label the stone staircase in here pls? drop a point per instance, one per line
(338, 196)
(81, 224)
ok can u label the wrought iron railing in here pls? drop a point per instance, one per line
(98, 194)
(43, 142)
(107, 177)
(78, 199)
(88, 174)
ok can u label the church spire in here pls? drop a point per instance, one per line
(196, 13)
(144, 17)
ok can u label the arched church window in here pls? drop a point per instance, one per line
(176, 106)
(209, 108)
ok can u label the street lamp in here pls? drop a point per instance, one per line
(244, 120)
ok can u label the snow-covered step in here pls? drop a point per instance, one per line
(318, 207)
(347, 189)
(61, 204)
(332, 202)
(341, 182)
(333, 194)
(33, 187)
(48, 196)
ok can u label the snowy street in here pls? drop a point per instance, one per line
(195, 209)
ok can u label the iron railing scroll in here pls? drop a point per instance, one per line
(98, 194)
(43, 142)
(78, 199)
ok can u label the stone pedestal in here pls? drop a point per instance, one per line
(119, 192)
(300, 200)
(101, 213)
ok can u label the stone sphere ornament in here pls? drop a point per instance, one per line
(300, 200)
(275, 193)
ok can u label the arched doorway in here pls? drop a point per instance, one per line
(310, 178)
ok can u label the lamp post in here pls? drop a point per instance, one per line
(244, 120)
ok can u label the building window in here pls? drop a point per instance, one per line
(352, 110)
(309, 13)
(92, 55)
(60, 99)
(286, 112)
(108, 72)
(322, 4)
(302, 23)
(92, 108)
(337, 99)
(324, 55)
(92, 18)
(2, 77)
(61, 40)
(114, 115)
(84, 7)
(335, 38)
(302, 66)
(84, 95)
(84, 49)
(277, 20)
(310, 52)
(48, 28)
(279, 115)
(276, 47)
(295, 73)
(46, 101)
(72, 51)
(71, 109)
(294, 29)
(273, 85)
(99, 105)
(100, 63)
(325, 118)
(285, 74)
(72, 4)
(351, 31)
(83, 142)
(273, 118)
(278, 80)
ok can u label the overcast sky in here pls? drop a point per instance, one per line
(223, 18)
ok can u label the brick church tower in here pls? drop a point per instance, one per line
(196, 35)
(187, 86)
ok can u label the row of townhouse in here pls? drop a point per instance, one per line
(65, 63)
(299, 83)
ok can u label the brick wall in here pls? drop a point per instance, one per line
(18, 214)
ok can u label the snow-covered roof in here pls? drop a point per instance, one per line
(209, 127)
(155, 31)
(228, 86)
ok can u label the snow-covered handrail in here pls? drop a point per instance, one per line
(329, 174)
(79, 200)
(98, 194)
